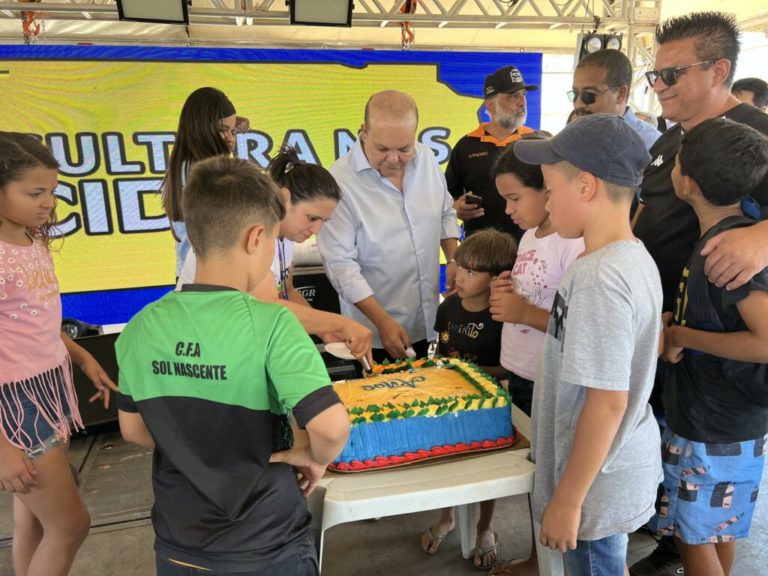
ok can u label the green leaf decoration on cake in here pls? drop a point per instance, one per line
(373, 408)
(390, 405)
(452, 407)
(467, 404)
(359, 420)
(356, 410)
(378, 417)
(405, 406)
(494, 402)
(409, 413)
(472, 379)
(394, 414)
(441, 410)
(481, 402)
(423, 412)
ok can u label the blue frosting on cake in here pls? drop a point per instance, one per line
(396, 437)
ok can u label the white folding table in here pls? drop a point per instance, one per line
(342, 498)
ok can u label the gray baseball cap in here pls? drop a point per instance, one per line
(601, 144)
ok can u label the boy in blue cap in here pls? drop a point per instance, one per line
(595, 440)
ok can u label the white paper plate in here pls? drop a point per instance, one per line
(340, 350)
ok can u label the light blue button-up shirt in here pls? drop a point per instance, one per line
(384, 243)
(647, 133)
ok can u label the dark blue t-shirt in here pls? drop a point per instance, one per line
(707, 398)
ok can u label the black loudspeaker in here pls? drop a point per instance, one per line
(326, 13)
(312, 283)
(102, 348)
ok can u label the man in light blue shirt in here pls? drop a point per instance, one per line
(381, 248)
(601, 84)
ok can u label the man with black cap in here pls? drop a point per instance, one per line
(469, 169)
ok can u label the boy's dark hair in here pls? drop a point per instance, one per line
(197, 138)
(577, 113)
(21, 152)
(508, 163)
(618, 68)
(716, 35)
(487, 250)
(303, 180)
(726, 159)
(757, 86)
(225, 195)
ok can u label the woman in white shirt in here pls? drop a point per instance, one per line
(310, 194)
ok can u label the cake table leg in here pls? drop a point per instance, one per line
(466, 517)
(315, 504)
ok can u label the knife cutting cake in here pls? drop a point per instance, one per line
(414, 410)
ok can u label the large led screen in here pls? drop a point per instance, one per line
(109, 115)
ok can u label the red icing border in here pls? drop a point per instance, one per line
(412, 457)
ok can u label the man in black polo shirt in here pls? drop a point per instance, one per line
(469, 168)
(694, 65)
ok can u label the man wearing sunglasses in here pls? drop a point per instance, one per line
(601, 84)
(694, 68)
(469, 168)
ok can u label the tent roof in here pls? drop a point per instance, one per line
(530, 25)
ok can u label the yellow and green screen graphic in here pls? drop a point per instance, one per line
(109, 115)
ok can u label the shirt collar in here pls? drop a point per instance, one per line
(484, 136)
(359, 160)
(206, 288)
(629, 116)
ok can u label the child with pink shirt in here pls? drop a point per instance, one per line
(37, 396)
(523, 297)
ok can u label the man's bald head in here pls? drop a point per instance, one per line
(388, 135)
(390, 106)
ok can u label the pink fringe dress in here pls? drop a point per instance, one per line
(34, 362)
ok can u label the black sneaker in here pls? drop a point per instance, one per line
(663, 561)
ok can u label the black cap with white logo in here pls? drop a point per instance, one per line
(506, 80)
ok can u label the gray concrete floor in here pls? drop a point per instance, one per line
(116, 488)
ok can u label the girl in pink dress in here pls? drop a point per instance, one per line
(37, 397)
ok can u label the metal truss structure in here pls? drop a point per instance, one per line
(635, 19)
(526, 14)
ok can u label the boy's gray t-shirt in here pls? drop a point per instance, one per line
(603, 333)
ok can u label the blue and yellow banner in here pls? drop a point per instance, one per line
(109, 115)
